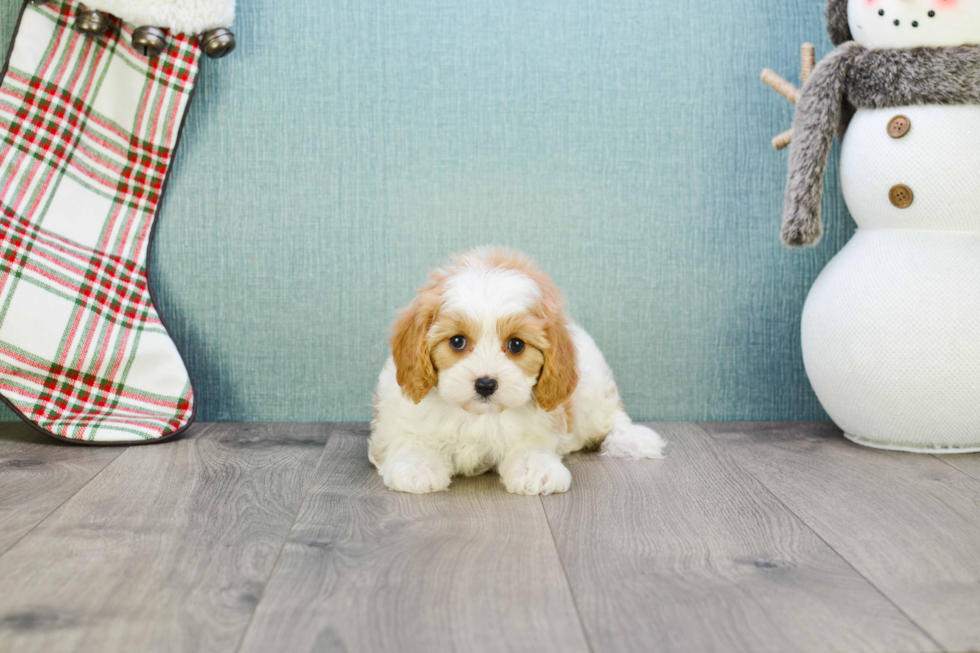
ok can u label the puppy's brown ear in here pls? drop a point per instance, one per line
(413, 363)
(559, 374)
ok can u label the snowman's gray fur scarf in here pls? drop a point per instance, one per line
(854, 77)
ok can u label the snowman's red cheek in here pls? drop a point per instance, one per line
(945, 4)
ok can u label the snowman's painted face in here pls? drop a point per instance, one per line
(914, 23)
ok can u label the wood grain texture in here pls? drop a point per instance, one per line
(908, 522)
(368, 569)
(692, 554)
(38, 474)
(166, 550)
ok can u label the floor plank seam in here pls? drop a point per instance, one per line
(945, 460)
(564, 572)
(940, 647)
(285, 540)
(59, 506)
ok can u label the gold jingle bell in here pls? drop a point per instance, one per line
(150, 41)
(91, 22)
(218, 42)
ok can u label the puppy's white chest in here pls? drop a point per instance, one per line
(479, 443)
(476, 450)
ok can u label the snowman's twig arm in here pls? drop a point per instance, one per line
(815, 125)
(780, 85)
(782, 140)
(788, 91)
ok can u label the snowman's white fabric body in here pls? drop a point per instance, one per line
(891, 328)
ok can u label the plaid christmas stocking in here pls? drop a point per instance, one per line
(88, 127)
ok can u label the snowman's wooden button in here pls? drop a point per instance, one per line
(899, 126)
(901, 196)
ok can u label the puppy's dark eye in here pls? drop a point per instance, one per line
(458, 343)
(516, 345)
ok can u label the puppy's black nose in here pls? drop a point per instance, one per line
(485, 386)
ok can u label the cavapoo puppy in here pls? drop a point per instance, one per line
(487, 372)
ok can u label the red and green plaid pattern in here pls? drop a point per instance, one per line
(88, 127)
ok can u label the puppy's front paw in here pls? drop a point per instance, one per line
(536, 473)
(634, 441)
(416, 474)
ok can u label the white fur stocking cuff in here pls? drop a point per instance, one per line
(182, 16)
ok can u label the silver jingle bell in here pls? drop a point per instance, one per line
(149, 41)
(91, 22)
(218, 42)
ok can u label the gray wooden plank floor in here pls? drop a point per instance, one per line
(39, 474)
(909, 523)
(168, 548)
(460, 570)
(691, 540)
(252, 537)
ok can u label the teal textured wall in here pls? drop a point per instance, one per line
(347, 146)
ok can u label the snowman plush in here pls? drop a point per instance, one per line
(891, 327)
